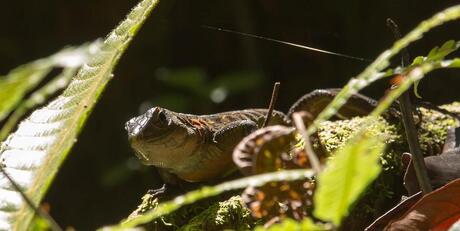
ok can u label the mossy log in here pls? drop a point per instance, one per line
(387, 189)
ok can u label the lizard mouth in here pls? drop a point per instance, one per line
(142, 157)
(135, 125)
(148, 125)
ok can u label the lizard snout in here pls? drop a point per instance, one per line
(136, 125)
(148, 125)
(131, 127)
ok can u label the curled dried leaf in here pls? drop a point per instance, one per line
(279, 200)
(271, 149)
(260, 151)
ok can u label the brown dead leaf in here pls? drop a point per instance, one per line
(437, 210)
(261, 150)
(394, 213)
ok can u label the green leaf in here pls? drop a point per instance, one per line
(416, 93)
(433, 52)
(346, 176)
(413, 75)
(371, 73)
(71, 60)
(455, 63)
(33, 154)
(25, 77)
(418, 60)
(39, 224)
(436, 55)
(292, 225)
(440, 53)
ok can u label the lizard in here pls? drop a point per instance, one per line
(198, 148)
(194, 148)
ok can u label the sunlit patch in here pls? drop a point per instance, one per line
(5, 216)
(36, 129)
(22, 177)
(20, 159)
(47, 115)
(31, 143)
(13, 200)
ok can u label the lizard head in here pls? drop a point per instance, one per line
(160, 138)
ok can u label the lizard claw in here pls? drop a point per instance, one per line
(157, 192)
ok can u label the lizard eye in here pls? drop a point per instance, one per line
(162, 116)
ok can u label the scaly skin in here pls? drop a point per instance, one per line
(199, 148)
(192, 147)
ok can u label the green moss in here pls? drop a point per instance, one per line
(433, 128)
(209, 214)
(334, 134)
(229, 214)
(452, 107)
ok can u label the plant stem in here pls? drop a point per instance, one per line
(275, 91)
(414, 146)
(409, 125)
(312, 157)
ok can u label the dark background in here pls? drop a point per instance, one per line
(175, 63)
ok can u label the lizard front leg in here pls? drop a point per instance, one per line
(216, 156)
(231, 134)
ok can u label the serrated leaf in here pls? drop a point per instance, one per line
(371, 73)
(33, 154)
(432, 52)
(20, 80)
(437, 55)
(70, 59)
(416, 93)
(453, 63)
(346, 176)
(413, 74)
(418, 60)
(440, 53)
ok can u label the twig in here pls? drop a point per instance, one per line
(397, 34)
(298, 121)
(409, 125)
(51, 222)
(276, 88)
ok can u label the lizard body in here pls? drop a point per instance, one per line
(193, 147)
(199, 147)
